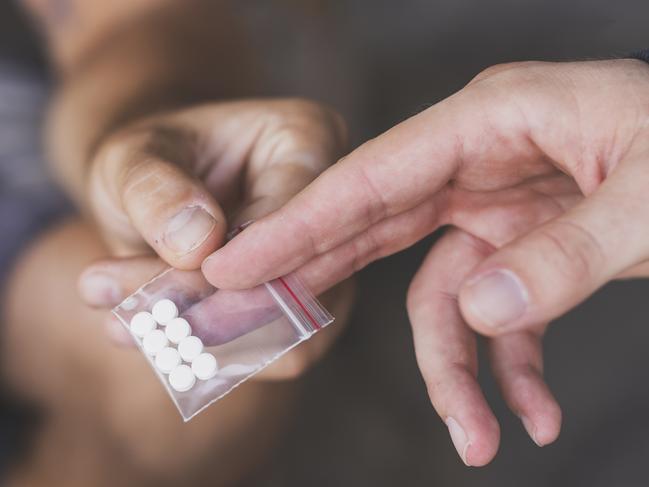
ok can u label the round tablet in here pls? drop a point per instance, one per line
(190, 348)
(178, 329)
(182, 378)
(204, 366)
(164, 311)
(167, 360)
(154, 341)
(142, 323)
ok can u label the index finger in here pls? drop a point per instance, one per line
(382, 178)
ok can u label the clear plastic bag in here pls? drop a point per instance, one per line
(243, 330)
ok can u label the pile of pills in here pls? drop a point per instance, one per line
(173, 345)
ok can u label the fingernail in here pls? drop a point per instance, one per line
(100, 289)
(531, 430)
(498, 298)
(188, 229)
(459, 438)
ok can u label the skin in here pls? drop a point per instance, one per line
(539, 170)
(120, 133)
(157, 129)
(106, 420)
(240, 159)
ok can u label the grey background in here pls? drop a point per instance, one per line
(365, 418)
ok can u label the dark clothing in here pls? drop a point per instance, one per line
(642, 55)
(28, 199)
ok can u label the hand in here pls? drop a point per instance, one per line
(173, 184)
(543, 170)
(168, 183)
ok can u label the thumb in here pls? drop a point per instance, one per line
(543, 274)
(140, 195)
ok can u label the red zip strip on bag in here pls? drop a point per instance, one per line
(298, 301)
(236, 232)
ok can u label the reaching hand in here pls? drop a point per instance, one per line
(543, 171)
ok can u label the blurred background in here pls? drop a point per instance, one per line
(364, 417)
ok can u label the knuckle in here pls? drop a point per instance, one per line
(441, 384)
(573, 251)
(122, 143)
(523, 380)
(295, 110)
(305, 122)
(307, 109)
(511, 70)
(117, 153)
(367, 248)
(147, 176)
(105, 176)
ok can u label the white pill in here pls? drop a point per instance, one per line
(142, 323)
(154, 341)
(164, 311)
(204, 366)
(177, 330)
(182, 378)
(190, 348)
(167, 360)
